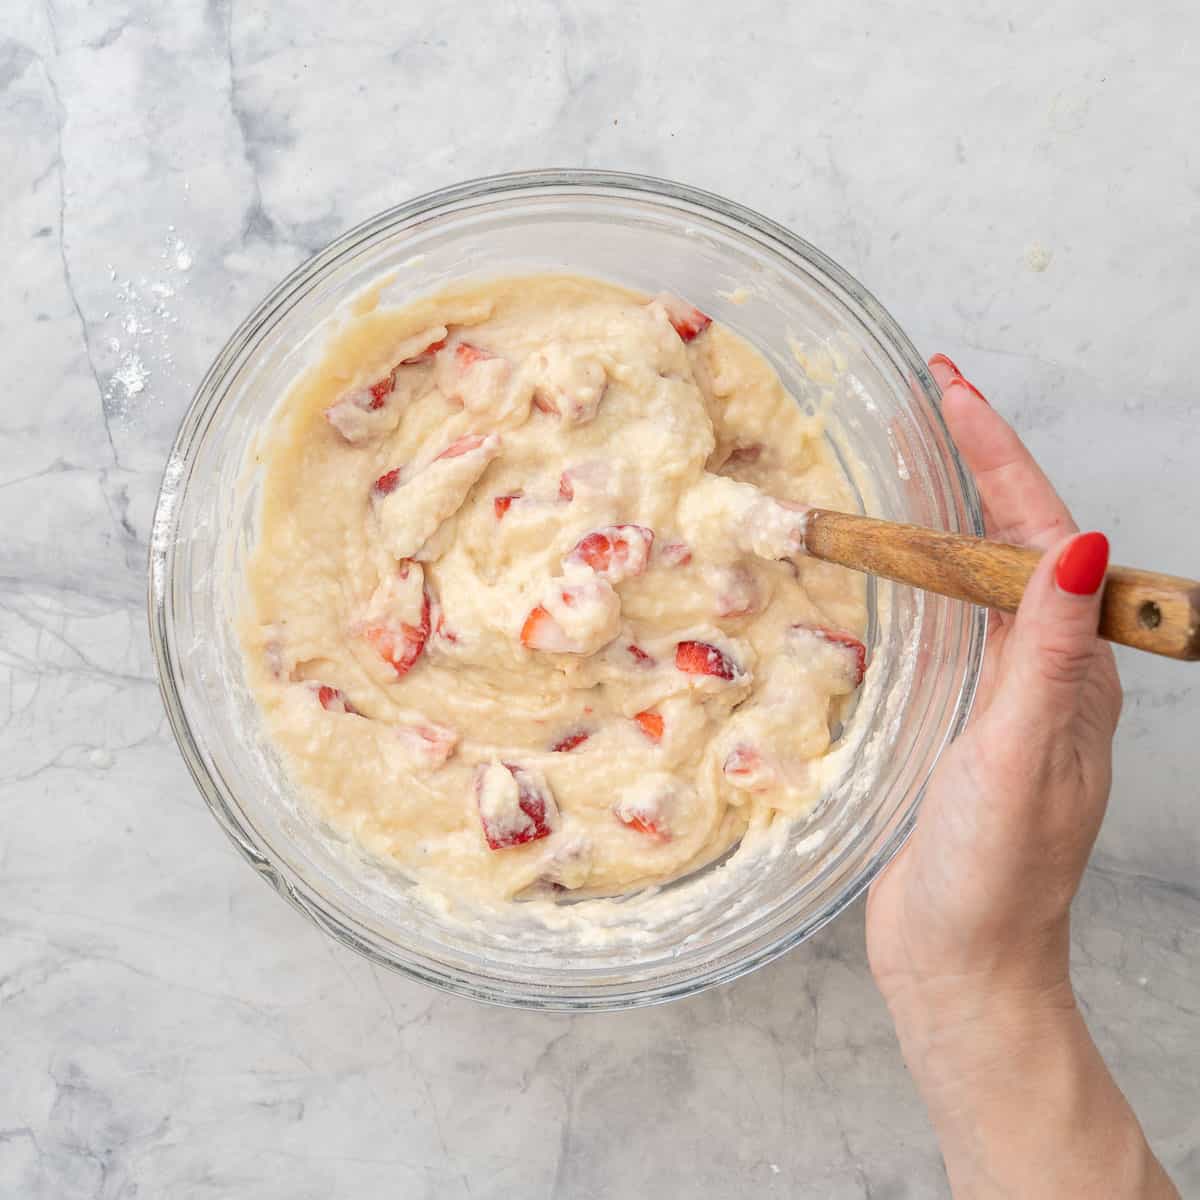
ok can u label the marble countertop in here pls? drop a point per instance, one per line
(1012, 180)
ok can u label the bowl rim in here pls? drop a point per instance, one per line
(568, 182)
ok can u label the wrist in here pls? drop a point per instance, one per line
(1021, 1100)
(955, 1030)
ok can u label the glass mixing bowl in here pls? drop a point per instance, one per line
(834, 346)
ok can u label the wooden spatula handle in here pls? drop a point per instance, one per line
(1159, 613)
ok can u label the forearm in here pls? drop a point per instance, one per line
(1023, 1104)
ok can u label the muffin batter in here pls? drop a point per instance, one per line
(526, 610)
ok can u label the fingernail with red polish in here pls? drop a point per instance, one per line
(966, 383)
(1080, 569)
(946, 361)
(976, 392)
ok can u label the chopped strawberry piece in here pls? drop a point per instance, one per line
(575, 617)
(430, 744)
(332, 700)
(401, 648)
(350, 415)
(745, 769)
(566, 490)
(381, 390)
(745, 454)
(515, 806)
(467, 355)
(541, 631)
(463, 445)
(647, 826)
(425, 356)
(701, 658)
(571, 741)
(544, 403)
(687, 320)
(616, 551)
(676, 554)
(596, 550)
(737, 591)
(651, 724)
(742, 761)
(646, 807)
(639, 656)
(644, 815)
(501, 504)
(838, 637)
(437, 617)
(387, 483)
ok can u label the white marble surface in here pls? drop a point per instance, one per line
(167, 1026)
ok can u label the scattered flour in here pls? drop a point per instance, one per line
(140, 346)
(1037, 257)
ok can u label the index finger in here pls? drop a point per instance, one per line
(1022, 506)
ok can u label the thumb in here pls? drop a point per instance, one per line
(1053, 639)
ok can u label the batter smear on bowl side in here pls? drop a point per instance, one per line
(518, 615)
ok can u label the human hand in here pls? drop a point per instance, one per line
(968, 928)
(977, 902)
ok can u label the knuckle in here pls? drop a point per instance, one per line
(1065, 662)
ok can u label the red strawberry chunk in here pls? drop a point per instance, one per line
(676, 554)
(651, 724)
(701, 658)
(646, 825)
(429, 744)
(639, 656)
(737, 592)
(687, 320)
(571, 741)
(742, 761)
(425, 356)
(646, 808)
(387, 483)
(332, 700)
(616, 551)
(501, 504)
(838, 637)
(596, 550)
(381, 390)
(401, 647)
(467, 355)
(542, 632)
(463, 445)
(645, 813)
(513, 815)
(746, 770)
(538, 622)
(566, 490)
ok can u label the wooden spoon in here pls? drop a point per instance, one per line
(1143, 609)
